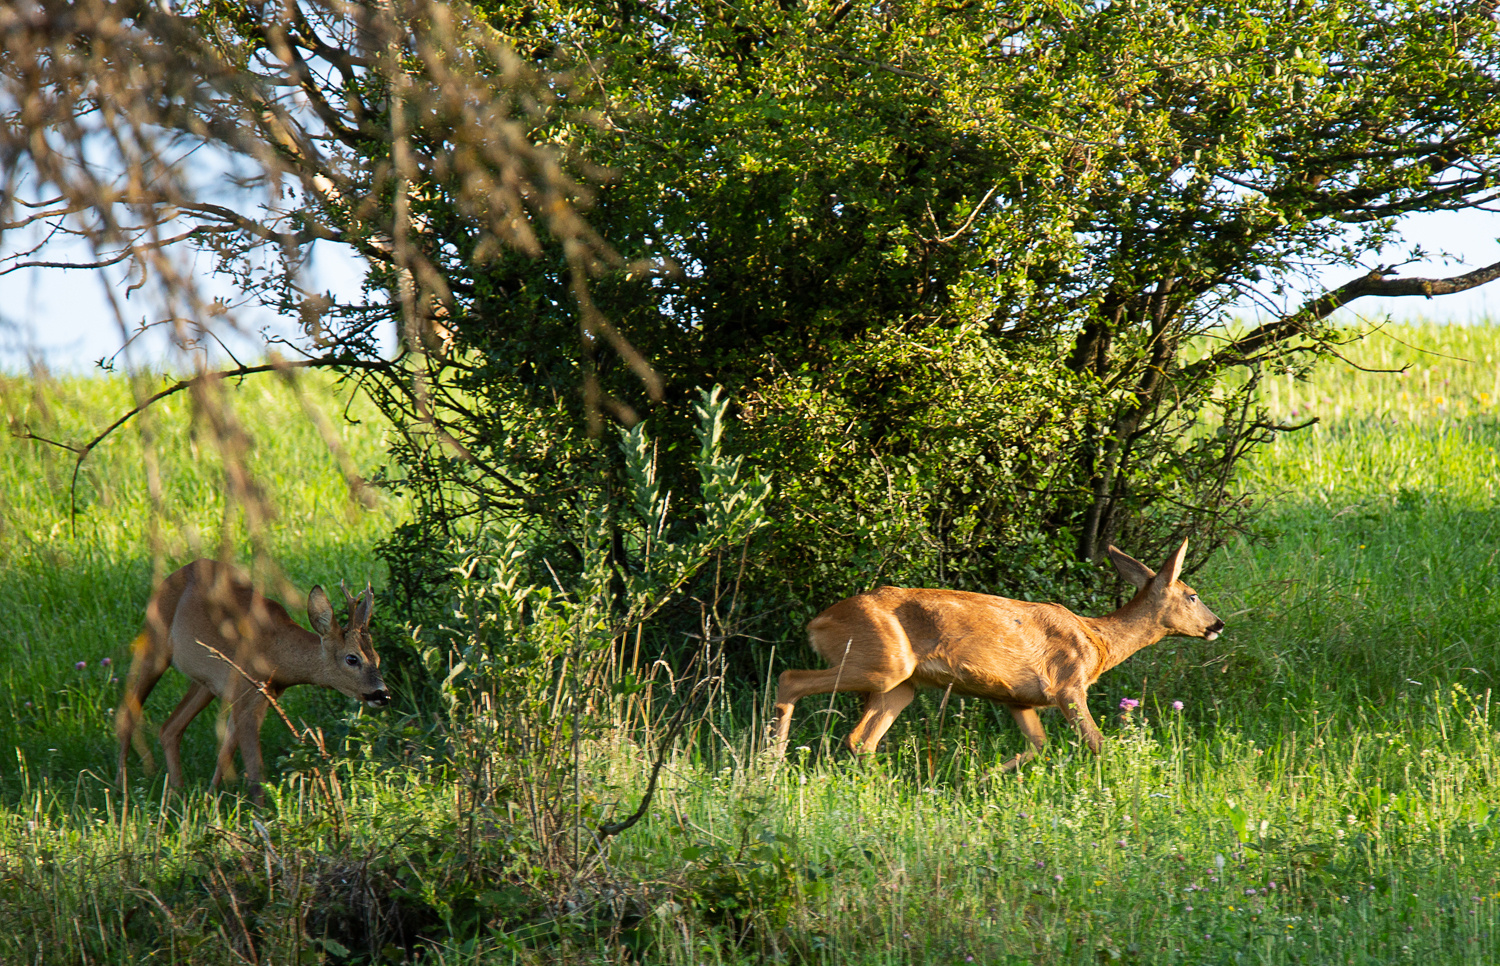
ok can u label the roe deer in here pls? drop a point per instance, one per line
(1024, 655)
(208, 603)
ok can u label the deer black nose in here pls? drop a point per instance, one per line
(378, 699)
(1218, 626)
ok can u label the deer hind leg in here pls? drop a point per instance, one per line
(1074, 703)
(196, 699)
(880, 712)
(148, 663)
(1031, 727)
(793, 686)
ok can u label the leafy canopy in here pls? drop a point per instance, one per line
(966, 270)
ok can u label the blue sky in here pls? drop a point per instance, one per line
(64, 319)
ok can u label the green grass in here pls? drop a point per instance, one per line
(77, 564)
(1337, 752)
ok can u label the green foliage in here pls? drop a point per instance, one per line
(964, 269)
(885, 476)
(757, 883)
(539, 665)
(1303, 757)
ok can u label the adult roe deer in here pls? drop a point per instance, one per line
(208, 603)
(1024, 655)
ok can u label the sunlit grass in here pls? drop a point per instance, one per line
(1181, 844)
(1326, 794)
(78, 561)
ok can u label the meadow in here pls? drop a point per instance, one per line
(1328, 790)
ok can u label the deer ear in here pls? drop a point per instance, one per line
(1130, 568)
(359, 614)
(319, 611)
(1171, 568)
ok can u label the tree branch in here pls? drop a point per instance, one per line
(1374, 283)
(82, 452)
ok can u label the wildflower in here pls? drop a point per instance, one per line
(80, 665)
(1176, 705)
(1250, 892)
(1129, 704)
(1121, 843)
(1057, 877)
(1041, 863)
(105, 662)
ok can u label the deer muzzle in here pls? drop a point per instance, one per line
(377, 699)
(1212, 634)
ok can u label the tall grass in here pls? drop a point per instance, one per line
(1326, 794)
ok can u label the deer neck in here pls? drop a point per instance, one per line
(1117, 636)
(295, 656)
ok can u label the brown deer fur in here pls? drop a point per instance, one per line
(1024, 655)
(208, 603)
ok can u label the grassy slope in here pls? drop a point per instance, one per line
(1337, 753)
(74, 588)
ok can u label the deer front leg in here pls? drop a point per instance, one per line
(249, 715)
(149, 661)
(228, 741)
(1031, 727)
(1074, 703)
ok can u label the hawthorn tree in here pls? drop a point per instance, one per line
(968, 271)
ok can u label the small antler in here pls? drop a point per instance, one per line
(359, 614)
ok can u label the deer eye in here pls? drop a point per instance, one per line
(352, 660)
(1193, 597)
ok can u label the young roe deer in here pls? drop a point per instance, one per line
(209, 603)
(1024, 655)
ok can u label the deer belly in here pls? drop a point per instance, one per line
(197, 664)
(979, 681)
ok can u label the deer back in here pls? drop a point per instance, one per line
(980, 645)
